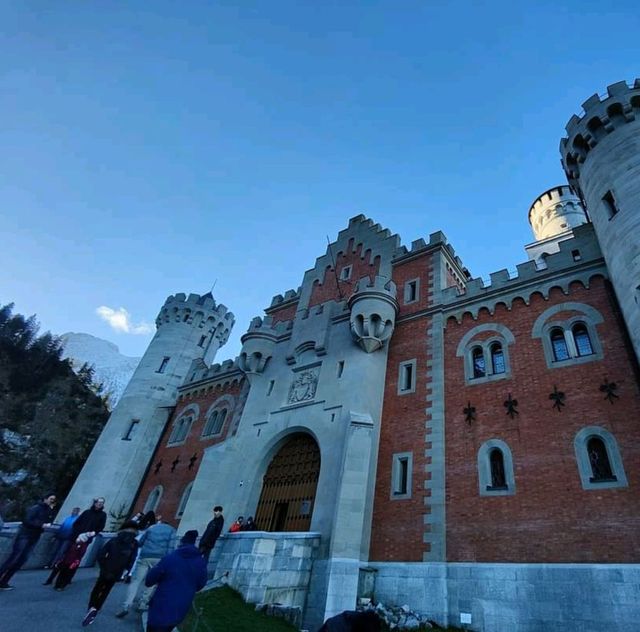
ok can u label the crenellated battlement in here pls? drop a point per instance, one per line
(602, 116)
(580, 252)
(200, 372)
(379, 284)
(265, 327)
(199, 311)
(555, 211)
(289, 295)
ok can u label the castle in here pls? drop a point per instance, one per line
(469, 449)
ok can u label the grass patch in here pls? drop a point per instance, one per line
(224, 610)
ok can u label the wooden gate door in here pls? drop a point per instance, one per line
(289, 486)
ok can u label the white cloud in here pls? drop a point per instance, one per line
(120, 320)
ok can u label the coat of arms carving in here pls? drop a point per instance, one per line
(303, 386)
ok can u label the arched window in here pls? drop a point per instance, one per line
(559, 345)
(496, 461)
(215, 423)
(184, 499)
(497, 358)
(582, 340)
(479, 366)
(154, 499)
(599, 461)
(181, 429)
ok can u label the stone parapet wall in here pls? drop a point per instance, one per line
(267, 567)
(516, 597)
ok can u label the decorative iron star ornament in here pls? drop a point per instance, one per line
(511, 405)
(469, 413)
(174, 465)
(192, 461)
(158, 466)
(609, 388)
(558, 398)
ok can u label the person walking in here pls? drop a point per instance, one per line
(63, 537)
(90, 521)
(35, 520)
(212, 533)
(155, 543)
(178, 576)
(116, 556)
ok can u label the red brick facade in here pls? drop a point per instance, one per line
(550, 518)
(208, 397)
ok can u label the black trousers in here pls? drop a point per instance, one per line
(100, 592)
(159, 628)
(22, 547)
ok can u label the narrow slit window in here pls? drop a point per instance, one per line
(407, 377)
(340, 368)
(270, 388)
(133, 426)
(411, 292)
(403, 475)
(610, 204)
(202, 341)
(163, 364)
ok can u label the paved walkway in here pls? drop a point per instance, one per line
(32, 607)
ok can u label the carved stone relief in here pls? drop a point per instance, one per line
(303, 386)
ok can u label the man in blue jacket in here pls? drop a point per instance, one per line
(35, 520)
(178, 576)
(155, 542)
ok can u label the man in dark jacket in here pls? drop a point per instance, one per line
(36, 519)
(114, 558)
(211, 533)
(178, 576)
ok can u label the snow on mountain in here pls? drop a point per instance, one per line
(112, 369)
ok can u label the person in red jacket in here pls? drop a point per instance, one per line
(237, 525)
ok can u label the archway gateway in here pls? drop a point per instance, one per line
(289, 486)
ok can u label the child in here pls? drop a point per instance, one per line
(115, 557)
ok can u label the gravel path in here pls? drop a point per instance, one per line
(32, 607)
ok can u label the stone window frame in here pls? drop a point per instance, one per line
(396, 460)
(544, 324)
(414, 377)
(184, 499)
(192, 410)
(153, 507)
(407, 293)
(345, 272)
(584, 464)
(132, 430)
(225, 402)
(467, 344)
(484, 469)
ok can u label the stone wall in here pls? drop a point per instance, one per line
(516, 597)
(267, 567)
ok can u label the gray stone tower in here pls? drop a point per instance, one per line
(601, 157)
(188, 329)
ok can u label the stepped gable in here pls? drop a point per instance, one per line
(374, 244)
(602, 116)
(419, 246)
(579, 259)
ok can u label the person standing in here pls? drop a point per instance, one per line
(178, 576)
(155, 543)
(237, 525)
(212, 533)
(63, 537)
(90, 521)
(35, 520)
(114, 558)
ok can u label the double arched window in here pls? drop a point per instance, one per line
(485, 351)
(568, 343)
(215, 423)
(181, 428)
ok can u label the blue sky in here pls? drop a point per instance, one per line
(153, 148)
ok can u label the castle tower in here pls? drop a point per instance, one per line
(553, 216)
(601, 157)
(187, 329)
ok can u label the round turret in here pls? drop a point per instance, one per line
(189, 328)
(601, 157)
(556, 211)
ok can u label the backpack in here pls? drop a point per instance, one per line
(117, 555)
